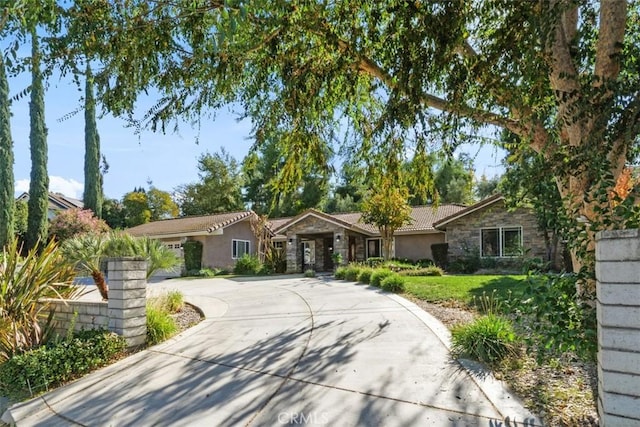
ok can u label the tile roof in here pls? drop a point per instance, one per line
(191, 224)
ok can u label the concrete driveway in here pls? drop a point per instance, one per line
(290, 351)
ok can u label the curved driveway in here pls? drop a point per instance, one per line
(286, 351)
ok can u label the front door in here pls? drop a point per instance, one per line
(328, 251)
(308, 255)
(352, 249)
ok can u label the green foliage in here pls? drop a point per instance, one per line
(378, 275)
(336, 257)
(158, 256)
(393, 283)
(375, 261)
(557, 322)
(192, 252)
(464, 288)
(218, 190)
(37, 220)
(161, 205)
(7, 205)
(248, 265)
(72, 222)
(172, 301)
(21, 212)
(113, 213)
(352, 271)
(276, 260)
(92, 196)
(341, 273)
(427, 271)
(204, 272)
(489, 339)
(440, 253)
(487, 187)
(454, 180)
(85, 252)
(309, 273)
(365, 275)
(136, 208)
(36, 371)
(43, 273)
(160, 324)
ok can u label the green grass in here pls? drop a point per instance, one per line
(463, 288)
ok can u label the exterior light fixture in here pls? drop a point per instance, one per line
(337, 238)
(290, 241)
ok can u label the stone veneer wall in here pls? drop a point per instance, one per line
(618, 308)
(125, 311)
(465, 232)
(309, 226)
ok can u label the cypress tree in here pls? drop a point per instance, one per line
(7, 202)
(39, 186)
(92, 197)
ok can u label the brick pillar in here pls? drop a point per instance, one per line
(128, 298)
(618, 306)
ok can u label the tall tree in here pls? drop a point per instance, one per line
(92, 196)
(161, 205)
(141, 206)
(562, 75)
(39, 184)
(219, 188)
(7, 203)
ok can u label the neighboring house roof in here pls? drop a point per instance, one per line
(469, 210)
(422, 220)
(189, 226)
(57, 201)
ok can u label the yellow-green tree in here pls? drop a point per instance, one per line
(386, 206)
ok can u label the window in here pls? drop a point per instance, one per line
(239, 248)
(374, 248)
(501, 242)
(278, 245)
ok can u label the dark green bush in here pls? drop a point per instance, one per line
(340, 273)
(378, 275)
(309, 273)
(365, 275)
(192, 250)
(393, 283)
(440, 253)
(555, 319)
(468, 263)
(489, 339)
(160, 325)
(427, 271)
(425, 262)
(248, 264)
(46, 367)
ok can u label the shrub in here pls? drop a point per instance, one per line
(375, 261)
(468, 263)
(425, 262)
(43, 273)
(427, 271)
(309, 273)
(247, 264)
(555, 319)
(72, 222)
(160, 325)
(192, 251)
(365, 275)
(379, 275)
(489, 339)
(174, 301)
(440, 253)
(157, 254)
(393, 283)
(341, 273)
(276, 260)
(398, 266)
(352, 272)
(45, 367)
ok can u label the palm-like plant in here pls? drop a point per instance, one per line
(157, 254)
(24, 284)
(85, 252)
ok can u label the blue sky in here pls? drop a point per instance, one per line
(167, 160)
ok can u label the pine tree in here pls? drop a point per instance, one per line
(92, 197)
(39, 185)
(7, 204)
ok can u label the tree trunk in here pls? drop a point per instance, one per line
(101, 284)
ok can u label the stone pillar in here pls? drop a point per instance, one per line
(618, 307)
(341, 246)
(127, 278)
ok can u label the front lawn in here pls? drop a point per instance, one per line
(464, 287)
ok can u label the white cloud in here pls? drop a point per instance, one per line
(57, 184)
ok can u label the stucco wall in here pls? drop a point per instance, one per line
(217, 249)
(417, 246)
(465, 232)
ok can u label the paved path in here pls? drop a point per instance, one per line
(286, 352)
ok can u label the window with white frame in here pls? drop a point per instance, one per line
(374, 248)
(239, 248)
(501, 242)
